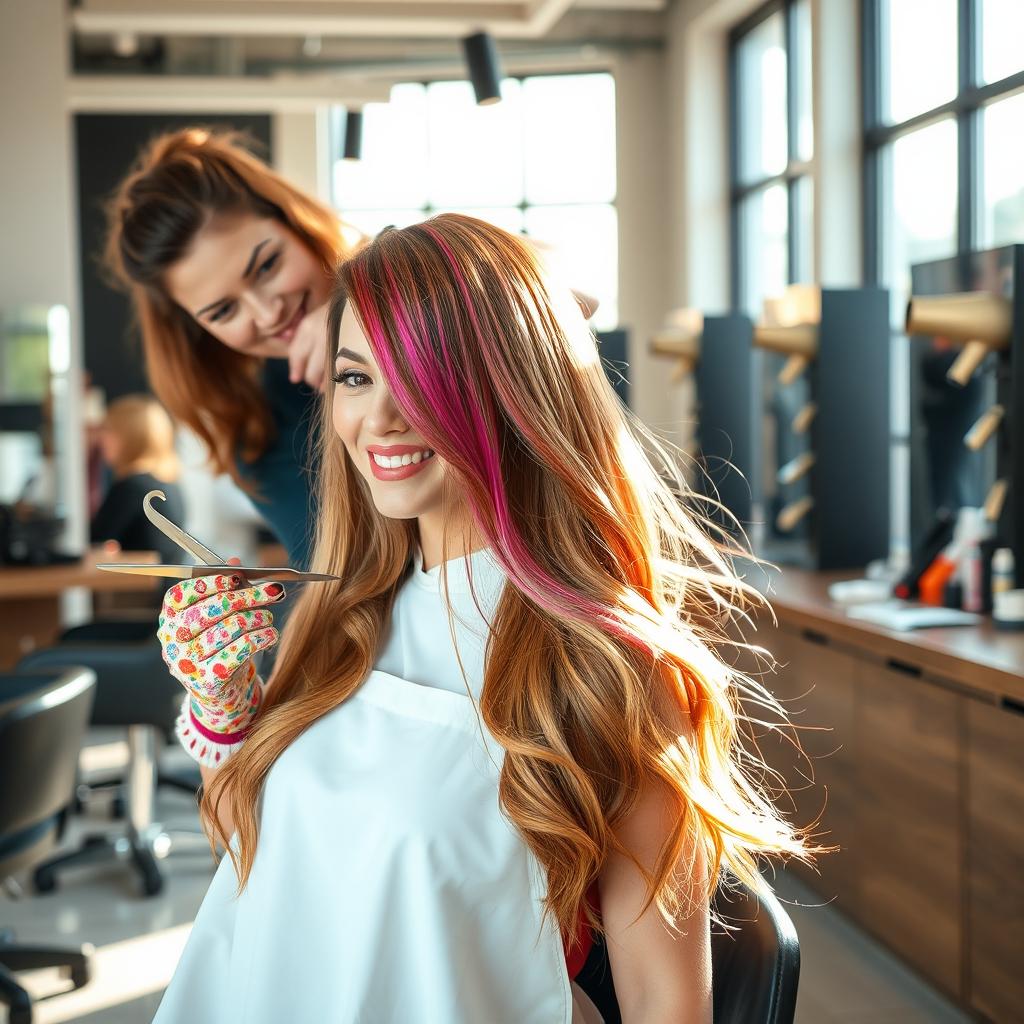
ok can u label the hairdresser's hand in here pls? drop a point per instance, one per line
(210, 629)
(307, 353)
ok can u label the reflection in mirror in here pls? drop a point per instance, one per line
(34, 428)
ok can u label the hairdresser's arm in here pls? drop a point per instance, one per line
(660, 975)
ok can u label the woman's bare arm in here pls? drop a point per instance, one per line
(660, 975)
(224, 815)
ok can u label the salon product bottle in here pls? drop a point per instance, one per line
(970, 574)
(1002, 571)
(932, 584)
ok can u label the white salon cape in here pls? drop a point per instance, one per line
(387, 885)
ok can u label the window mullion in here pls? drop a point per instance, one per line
(966, 121)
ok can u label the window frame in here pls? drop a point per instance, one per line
(796, 168)
(336, 140)
(965, 108)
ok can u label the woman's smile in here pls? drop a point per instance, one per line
(397, 462)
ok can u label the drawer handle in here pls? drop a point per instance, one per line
(815, 637)
(1016, 706)
(902, 666)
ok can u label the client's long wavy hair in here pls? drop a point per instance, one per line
(605, 669)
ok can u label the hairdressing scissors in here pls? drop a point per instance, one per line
(209, 561)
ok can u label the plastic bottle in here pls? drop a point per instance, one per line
(971, 574)
(1002, 571)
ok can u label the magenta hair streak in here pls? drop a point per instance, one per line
(467, 425)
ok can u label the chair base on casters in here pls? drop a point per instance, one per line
(96, 850)
(13, 957)
(143, 840)
(144, 849)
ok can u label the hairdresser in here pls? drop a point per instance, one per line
(229, 268)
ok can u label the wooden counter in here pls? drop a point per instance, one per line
(980, 658)
(30, 597)
(915, 769)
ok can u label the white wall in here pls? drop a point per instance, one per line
(39, 255)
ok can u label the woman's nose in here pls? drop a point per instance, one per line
(265, 310)
(385, 417)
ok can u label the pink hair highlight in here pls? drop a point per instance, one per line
(528, 575)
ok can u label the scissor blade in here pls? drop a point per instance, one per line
(250, 572)
(176, 533)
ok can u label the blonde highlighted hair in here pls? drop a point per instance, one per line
(145, 436)
(606, 667)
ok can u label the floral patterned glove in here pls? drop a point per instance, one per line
(210, 629)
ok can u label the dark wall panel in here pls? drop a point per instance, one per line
(106, 147)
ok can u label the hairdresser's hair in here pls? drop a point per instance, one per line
(625, 597)
(178, 183)
(146, 436)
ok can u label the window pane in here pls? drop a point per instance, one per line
(803, 229)
(1002, 188)
(761, 74)
(1002, 28)
(919, 56)
(569, 138)
(393, 170)
(370, 222)
(763, 241)
(919, 207)
(476, 153)
(585, 243)
(508, 217)
(801, 13)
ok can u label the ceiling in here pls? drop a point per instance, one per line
(505, 19)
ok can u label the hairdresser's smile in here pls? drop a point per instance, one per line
(287, 332)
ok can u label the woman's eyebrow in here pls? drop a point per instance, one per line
(347, 353)
(253, 256)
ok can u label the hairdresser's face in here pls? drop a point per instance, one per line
(368, 421)
(250, 281)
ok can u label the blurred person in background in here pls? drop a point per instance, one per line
(136, 439)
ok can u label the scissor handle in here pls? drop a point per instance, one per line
(184, 540)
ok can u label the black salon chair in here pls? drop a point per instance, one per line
(755, 967)
(43, 717)
(132, 631)
(134, 690)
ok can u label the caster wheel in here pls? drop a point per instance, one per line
(81, 974)
(44, 881)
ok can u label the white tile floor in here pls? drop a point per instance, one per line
(846, 978)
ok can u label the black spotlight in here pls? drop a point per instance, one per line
(353, 135)
(484, 71)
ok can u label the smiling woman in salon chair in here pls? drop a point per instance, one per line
(510, 721)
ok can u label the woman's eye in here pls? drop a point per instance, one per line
(346, 376)
(268, 264)
(221, 312)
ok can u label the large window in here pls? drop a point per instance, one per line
(944, 116)
(944, 113)
(541, 163)
(772, 145)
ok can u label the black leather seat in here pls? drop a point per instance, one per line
(43, 718)
(134, 690)
(755, 967)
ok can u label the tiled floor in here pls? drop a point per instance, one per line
(845, 977)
